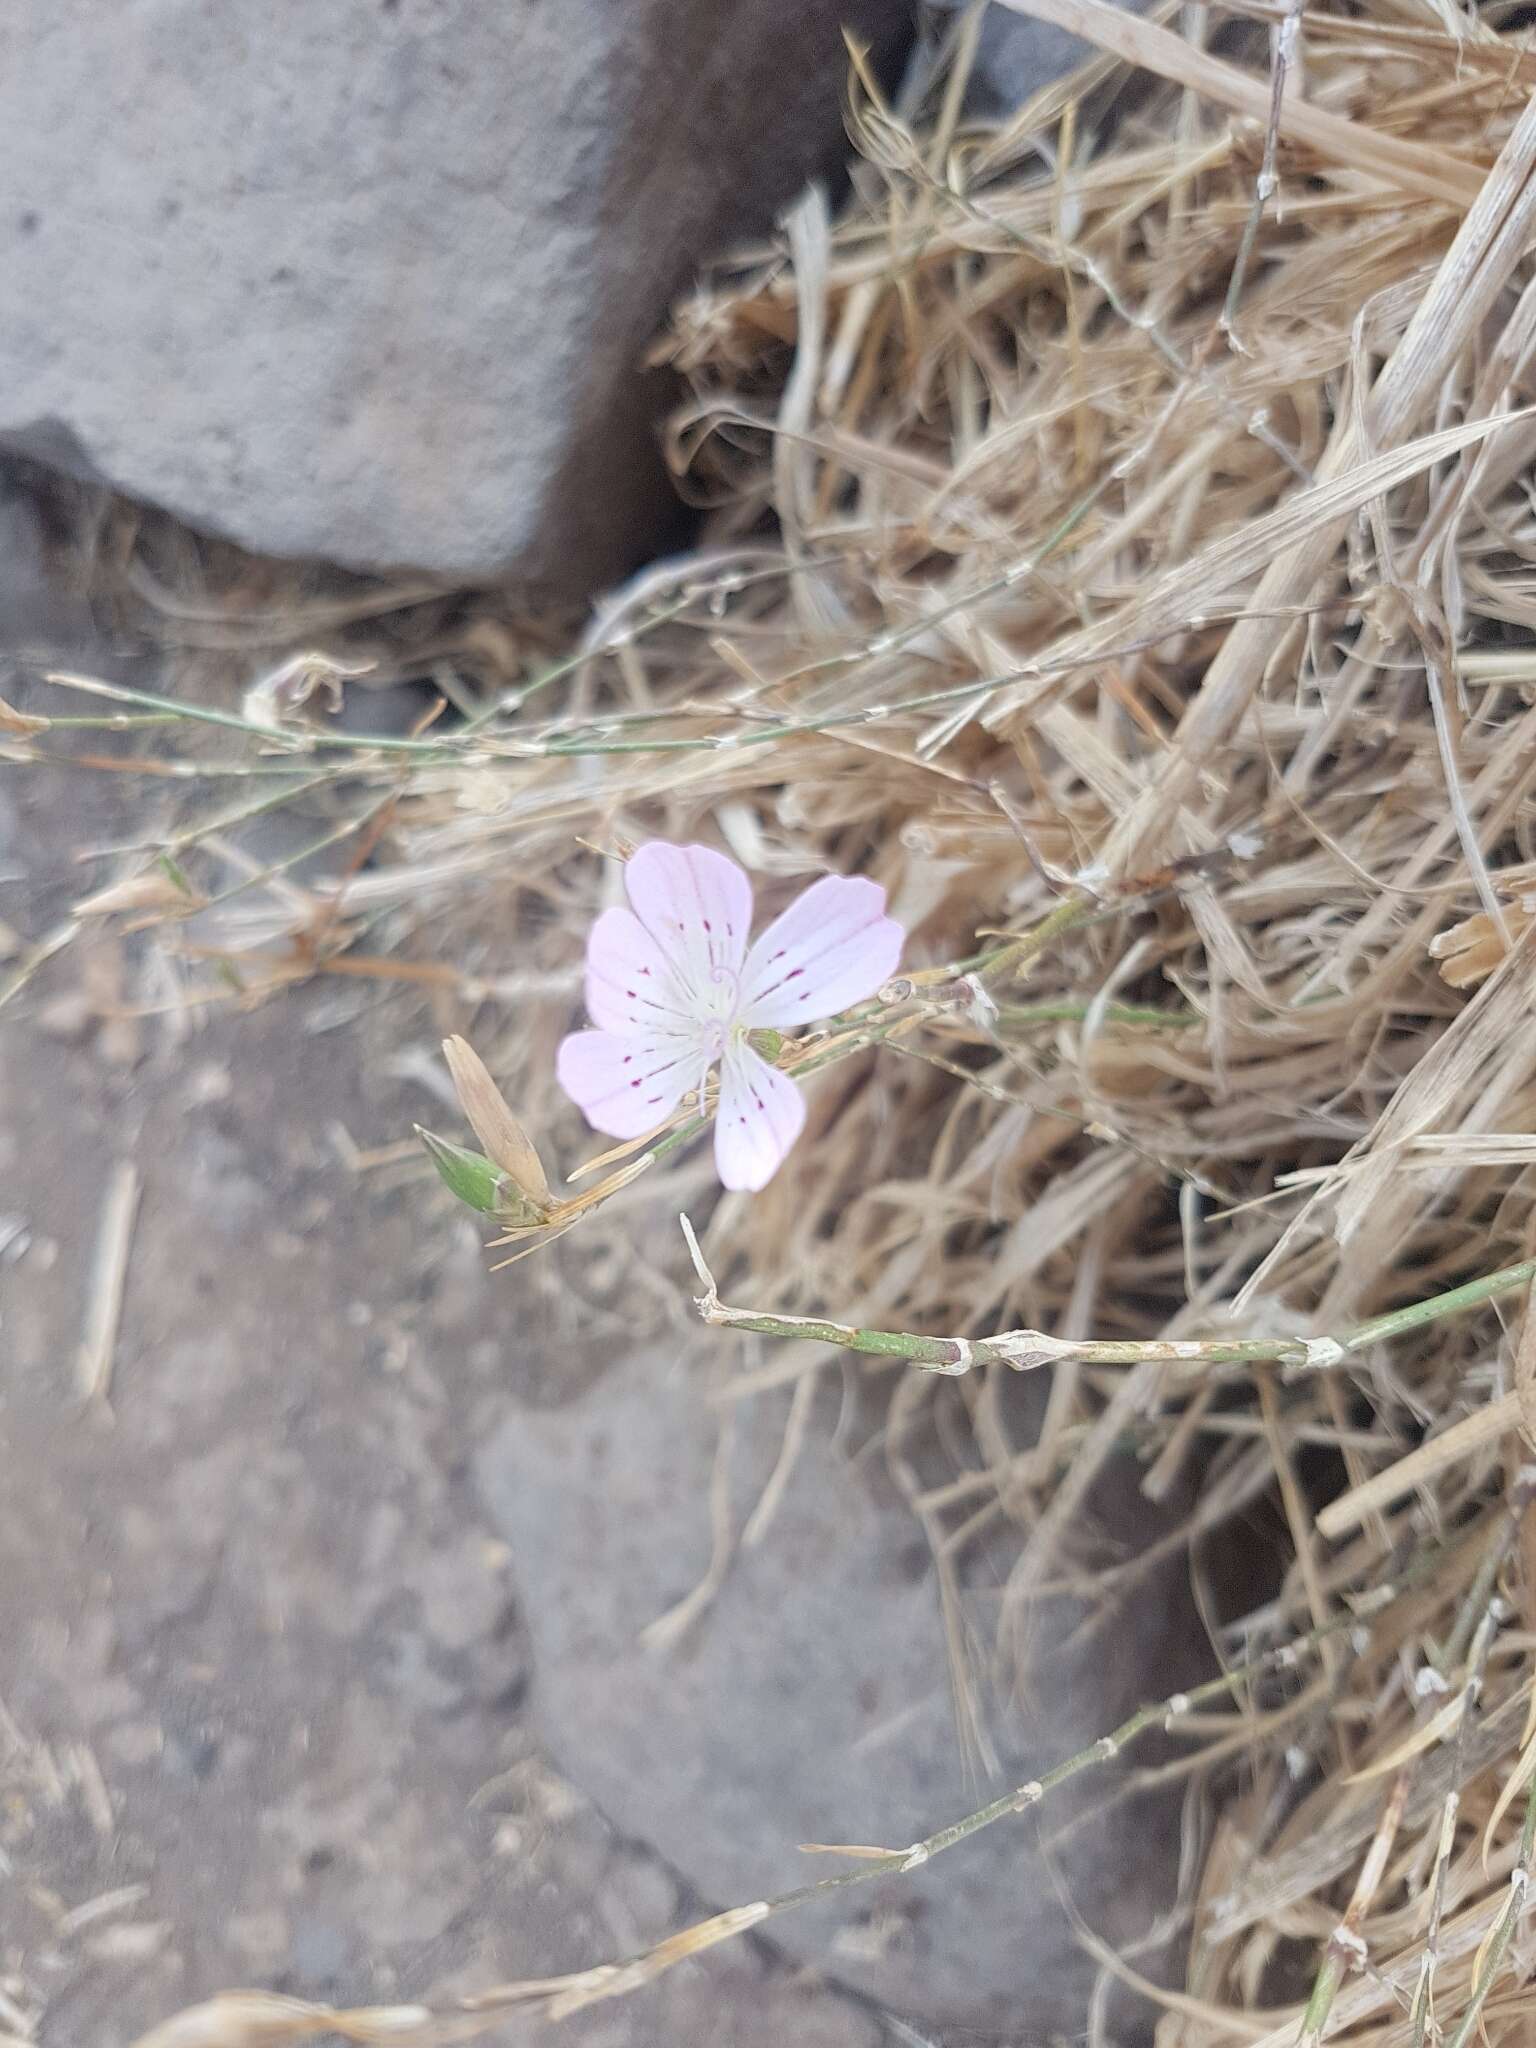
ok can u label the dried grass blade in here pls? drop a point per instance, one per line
(1434, 1729)
(1430, 174)
(109, 1280)
(1509, 1792)
(1461, 1440)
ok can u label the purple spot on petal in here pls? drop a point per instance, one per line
(794, 974)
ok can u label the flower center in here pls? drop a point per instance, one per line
(719, 1033)
(721, 995)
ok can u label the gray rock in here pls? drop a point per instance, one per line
(812, 1700)
(371, 281)
(40, 619)
(1016, 57)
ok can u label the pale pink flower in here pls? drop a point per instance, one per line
(672, 988)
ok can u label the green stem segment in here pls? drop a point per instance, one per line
(1504, 1930)
(1165, 1714)
(1025, 1349)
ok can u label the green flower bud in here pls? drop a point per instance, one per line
(469, 1175)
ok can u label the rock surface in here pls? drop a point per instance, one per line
(370, 281)
(1015, 57)
(812, 1702)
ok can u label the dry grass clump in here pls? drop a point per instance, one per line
(1137, 580)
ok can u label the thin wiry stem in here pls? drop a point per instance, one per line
(1024, 1015)
(1345, 1949)
(560, 1997)
(303, 739)
(281, 739)
(1504, 1928)
(471, 745)
(1286, 34)
(1024, 1350)
(1482, 1641)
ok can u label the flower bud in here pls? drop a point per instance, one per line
(479, 1183)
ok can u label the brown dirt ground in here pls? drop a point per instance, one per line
(261, 1662)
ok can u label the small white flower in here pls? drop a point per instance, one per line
(672, 988)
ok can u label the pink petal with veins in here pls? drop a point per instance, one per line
(697, 906)
(632, 987)
(833, 947)
(624, 1086)
(761, 1114)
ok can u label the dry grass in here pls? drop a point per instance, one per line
(1138, 583)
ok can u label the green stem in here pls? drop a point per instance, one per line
(1025, 1349)
(1504, 1931)
(1475, 1627)
(1165, 1714)
(1020, 953)
(1325, 1989)
(1024, 1014)
(299, 741)
(727, 584)
(323, 844)
(513, 700)
(304, 740)
(561, 1996)
(1398, 1320)
(593, 737)
(893, 639)
(171, 769)
(119, 721)
(241, 815)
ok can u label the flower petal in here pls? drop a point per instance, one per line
(697, 906)
(631, 986)
(833, 946)
(760, 1116)
(624, 1087)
